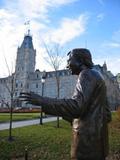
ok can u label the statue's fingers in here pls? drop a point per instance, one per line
(25, 93)
(23, 97)
(28, 102)
(32, 92)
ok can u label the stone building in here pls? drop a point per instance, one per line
(118, 79)
(26, 78)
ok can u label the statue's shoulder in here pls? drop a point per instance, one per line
(87, 72)
(91, 74)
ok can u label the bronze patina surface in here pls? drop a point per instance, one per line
(87, 109)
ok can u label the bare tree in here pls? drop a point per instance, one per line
(55, 60)
(9, 85)
(3, 102)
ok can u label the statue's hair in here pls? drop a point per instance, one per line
(83, 55)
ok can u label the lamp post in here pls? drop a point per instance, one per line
(43, 83)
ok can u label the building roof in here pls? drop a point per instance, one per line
(27, 42)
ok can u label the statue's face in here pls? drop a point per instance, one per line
(74, 65)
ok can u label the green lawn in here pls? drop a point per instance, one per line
(44, 142)
(4, 117)
(47, 142)
(114, 132)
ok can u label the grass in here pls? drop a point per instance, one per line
(115, 133)
(4, 117)
(50, 143)
(114, 136)
(43, 142)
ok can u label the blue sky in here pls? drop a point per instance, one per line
(93, 24)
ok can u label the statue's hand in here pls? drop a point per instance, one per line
(31, 98)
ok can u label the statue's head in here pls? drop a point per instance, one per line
(79, 59)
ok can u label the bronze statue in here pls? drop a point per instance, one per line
(87, 109)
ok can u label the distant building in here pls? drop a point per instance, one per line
(118, 79)
(26, 78)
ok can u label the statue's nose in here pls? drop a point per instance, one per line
(68, 65)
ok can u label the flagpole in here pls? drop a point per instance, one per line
(27, 24)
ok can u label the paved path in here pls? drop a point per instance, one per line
(4, 126)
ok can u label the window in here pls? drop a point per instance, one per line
(16, 85)
(63, 73)
(36, 85)
(27, 85)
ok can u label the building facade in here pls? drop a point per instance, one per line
(118, 79)
(56, 84)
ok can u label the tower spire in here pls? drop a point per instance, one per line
(105, 66)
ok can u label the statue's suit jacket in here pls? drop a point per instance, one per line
(89, 112)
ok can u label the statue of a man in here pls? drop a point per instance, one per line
(87, 109)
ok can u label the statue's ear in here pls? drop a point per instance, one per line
(78, 62)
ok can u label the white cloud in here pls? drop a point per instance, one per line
(113, 63)
(12, 18)
(34, 9)
(112, 44)
(116, 36)
(109, 51)
(8, 38)
(68, 30)
(62, 1)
